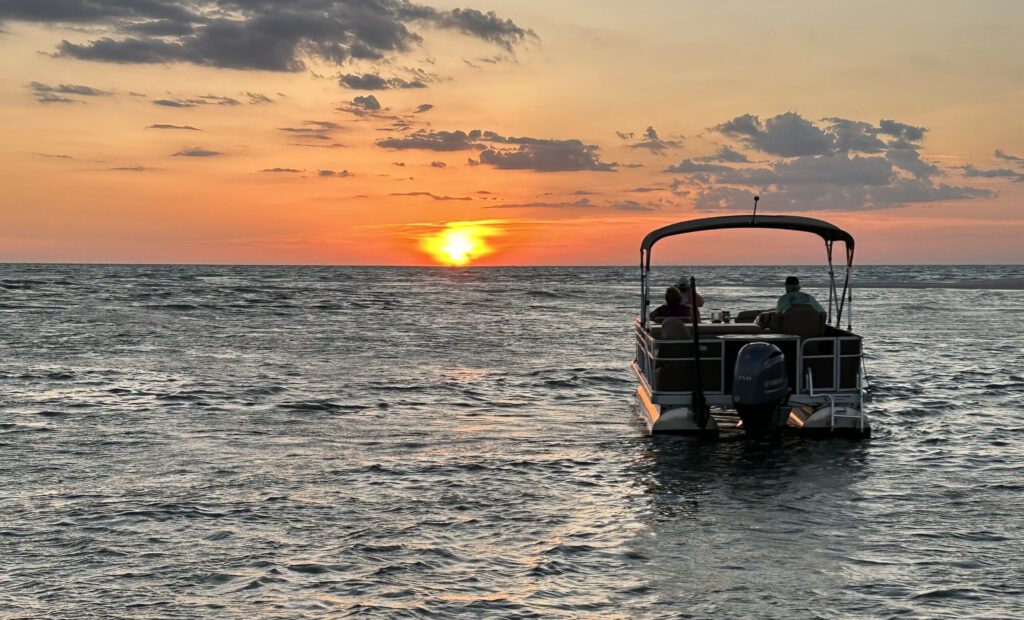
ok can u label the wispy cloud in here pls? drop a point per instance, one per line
(166, 126)
(433, 141)
(373, 81)
(432, 196)
(200, 100)
(1000, 154)
(44, 93)
(196, 152)
(130, 169)
(993, 173)
(653, 143)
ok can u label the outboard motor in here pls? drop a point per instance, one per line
(760, 385)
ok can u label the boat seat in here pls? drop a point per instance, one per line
(676, 375)
(675, 328)
(747, 316)
(801, 320)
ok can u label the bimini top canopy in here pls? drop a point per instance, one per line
(829, 232)
(823, 229)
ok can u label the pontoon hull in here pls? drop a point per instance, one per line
(674, 419)
(843, 422)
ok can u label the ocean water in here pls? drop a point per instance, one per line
(289, 442)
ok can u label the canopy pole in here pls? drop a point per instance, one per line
(697, 401)
(643, 290)
(831, 285)
(848, 289)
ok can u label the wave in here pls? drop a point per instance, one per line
(992, 284)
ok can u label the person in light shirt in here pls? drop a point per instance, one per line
(795, 296)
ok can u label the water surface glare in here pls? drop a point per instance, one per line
(238, 442)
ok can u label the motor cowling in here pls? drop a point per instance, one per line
(759, 386)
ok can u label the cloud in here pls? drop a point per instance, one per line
(314, 130)
(256, 34)
(1000, 154)
(653, 143)
(582, 203)
(625, 135)
(332, 173)
(423, 107)
(200, 100)
(834, 169)
(51, 98)
(196, 152)
(366, 106)
(901, 130)
(910, 160)
(258, 98)
(174, 103)
(323, 125)
(44, 93)
(725, 154)
(487, 26)
(368, 102)
(165, 126)
(546, 156)
(307, 133)
(689, 166)
(334, 145)
(825, 197)
(994, 173)
(372, 81)
(788, 135)
(130, 169)
(280, 170)
(438, 164)
(433, 196)
(855, 136)
(541, 154)
(834, 164)
(631, 205)
(432, 141)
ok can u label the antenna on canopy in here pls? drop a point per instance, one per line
(754, 216)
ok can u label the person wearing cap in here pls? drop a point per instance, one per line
(684, 287)
(795, 296)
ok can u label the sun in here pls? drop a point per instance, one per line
(459, 243)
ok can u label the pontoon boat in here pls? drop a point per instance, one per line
(799, 371)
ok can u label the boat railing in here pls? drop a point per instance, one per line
(836, 362)
(676, 359)
(827, 364)
(856, 413)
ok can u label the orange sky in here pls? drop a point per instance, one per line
(209, 132)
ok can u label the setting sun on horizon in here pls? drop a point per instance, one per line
(459, 243)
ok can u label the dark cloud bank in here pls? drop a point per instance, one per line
(831, 164)
(255, 34)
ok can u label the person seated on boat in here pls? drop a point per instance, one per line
(795, 296)
(673, 306)
(683, 284)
